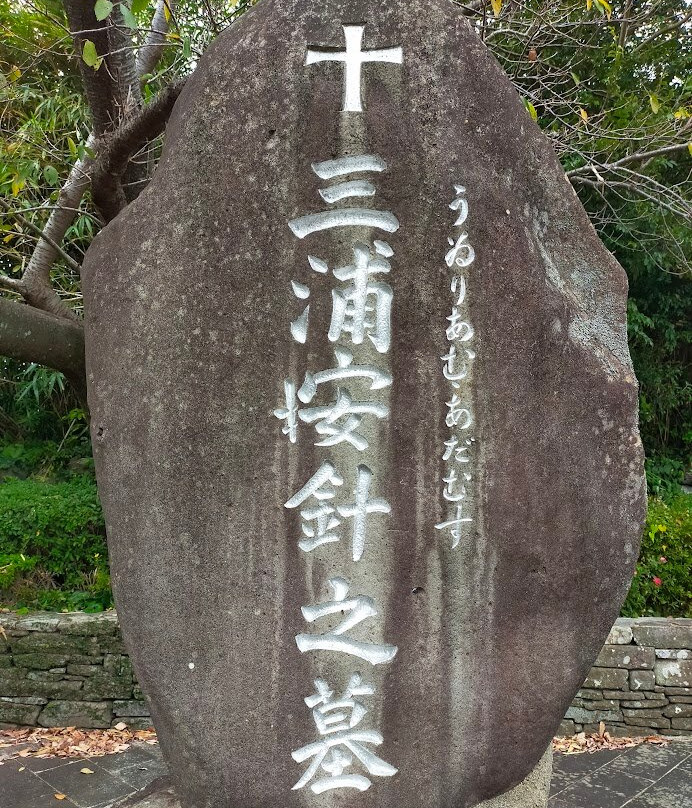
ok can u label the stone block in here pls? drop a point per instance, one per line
(637, 720)
(675, 673)
(673, 653)
(674, 691)
(603, 704)
(631, 731)
(590, 695)
(682, 724)
(625, 656)
(656, 712)
(37, 622)
(678, 711)
(91, 625)
(39, 662)
(42, 643)
(82, 659)
(44, 676)
(134, 722)
(33, 700)
(661, 632)
(581, 716)
(5, 661)
(621, 632)
(621, 695)
(642, 680)
(23, 714)
(87, 714)
(680, 699)
(566, 728)
(83, 670)
(50, 690)
(131, 709)
(611, 678)
(118, 665)
(103, 685)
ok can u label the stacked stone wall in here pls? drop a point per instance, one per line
(72, 670)
(64, 670)
(641, 683)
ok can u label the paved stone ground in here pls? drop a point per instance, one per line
(642, 777)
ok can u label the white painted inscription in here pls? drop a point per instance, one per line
(353, 59)
(457, 364)
(342, 742)
(328, 405)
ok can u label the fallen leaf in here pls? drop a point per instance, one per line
(60, 796)
(86, 771)
(121, 726)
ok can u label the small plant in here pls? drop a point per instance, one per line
(13, 565)
(662, 585)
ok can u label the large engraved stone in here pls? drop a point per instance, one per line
(196, 301)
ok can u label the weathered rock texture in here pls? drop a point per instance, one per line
(188, 301)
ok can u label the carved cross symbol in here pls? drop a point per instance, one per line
(354, 58)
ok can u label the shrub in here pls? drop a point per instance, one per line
(661, 585)
(60, 525)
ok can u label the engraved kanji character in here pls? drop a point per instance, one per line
(341, 743)
(364, 306)
(320, 487)
(360, 608)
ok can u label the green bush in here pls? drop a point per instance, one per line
(662, 586)
(59, 529)
(12, 565)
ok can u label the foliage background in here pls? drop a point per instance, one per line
(601, 88)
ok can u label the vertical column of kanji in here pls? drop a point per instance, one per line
(458, 492)
(336, 408)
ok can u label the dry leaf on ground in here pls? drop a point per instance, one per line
(580, 743)
(69, 742)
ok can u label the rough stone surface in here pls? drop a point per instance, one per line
(661, 632)
(187, 314)
(625, 656)
(674, 673)
(96, 715)
(642, 680)
(621, 632)
(533, 792)
(611, 678)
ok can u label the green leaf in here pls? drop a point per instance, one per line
(72, 146)
(655, 103)
(128, 16)
(102, 9)
(689, 148)
(138, 6)
(531, 110)
(576, 79)
(51, 175)
(90, 56)
(187, 47)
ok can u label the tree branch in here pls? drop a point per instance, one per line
(630, 158)
(106, 187)
(150, 52)
(30, 335)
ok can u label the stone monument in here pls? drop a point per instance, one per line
(364, 418)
